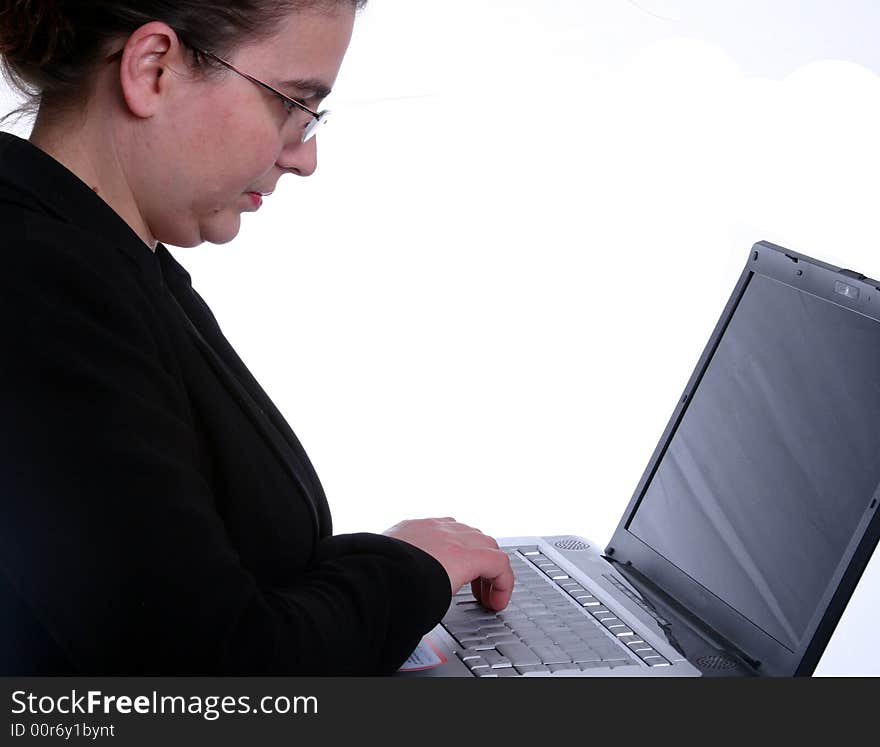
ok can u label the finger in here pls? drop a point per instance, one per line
(485, 592)
(499, 582)
(498, 597)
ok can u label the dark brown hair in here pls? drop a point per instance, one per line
(49, 48)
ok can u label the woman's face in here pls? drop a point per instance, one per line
(220, 138)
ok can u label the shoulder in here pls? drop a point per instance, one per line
(60, 281)
(35, 239)
(46, 259)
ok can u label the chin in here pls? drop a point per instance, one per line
(218, 227)
(221, 230)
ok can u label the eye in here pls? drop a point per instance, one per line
(290, 105)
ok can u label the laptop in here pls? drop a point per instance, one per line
(750, 527)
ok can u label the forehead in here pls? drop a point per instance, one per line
(307, 44)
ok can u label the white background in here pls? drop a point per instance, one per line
(526, 220)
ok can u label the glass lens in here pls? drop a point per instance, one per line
(313, 125)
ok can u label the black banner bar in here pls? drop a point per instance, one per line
(293, 710)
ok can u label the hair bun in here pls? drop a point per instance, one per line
(33, 33)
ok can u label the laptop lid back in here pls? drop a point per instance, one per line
(758, 509)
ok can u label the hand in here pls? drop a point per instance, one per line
(465, 553)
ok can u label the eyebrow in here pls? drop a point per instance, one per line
(317, 88)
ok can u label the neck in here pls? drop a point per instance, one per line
(93, 157)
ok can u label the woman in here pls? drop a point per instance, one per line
(158, 514)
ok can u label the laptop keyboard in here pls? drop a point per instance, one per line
(552, 625)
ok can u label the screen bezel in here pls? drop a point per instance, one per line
(818, 278)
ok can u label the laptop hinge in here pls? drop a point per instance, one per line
(638, 580)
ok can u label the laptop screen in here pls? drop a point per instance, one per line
(775, 459)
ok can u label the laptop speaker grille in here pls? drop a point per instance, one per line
(715, 662)
(570, 544)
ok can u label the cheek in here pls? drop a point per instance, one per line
(231, 147)
(245, 165)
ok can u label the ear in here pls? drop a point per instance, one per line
(151, 52)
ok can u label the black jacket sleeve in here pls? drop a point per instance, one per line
(110, 539)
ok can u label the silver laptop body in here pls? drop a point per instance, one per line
(750, 527)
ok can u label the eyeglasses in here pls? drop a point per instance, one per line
(317, 118)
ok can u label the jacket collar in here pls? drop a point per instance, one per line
(44, 183)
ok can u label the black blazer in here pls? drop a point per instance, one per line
(157, 513)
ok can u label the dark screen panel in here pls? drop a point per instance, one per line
(775, 459)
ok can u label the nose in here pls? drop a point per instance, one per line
(298, 157)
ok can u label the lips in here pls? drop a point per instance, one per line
(256, 198)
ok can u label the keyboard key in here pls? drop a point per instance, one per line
(560, 604)
(471, 653)
(515, 621)
(462, 628)
(555, 572)
(533, 640)
(575, 612)
(593, 665)
(541, 612)
(475, 664)
(531, 604)
(592, 625)
(495, 627)
(558, 575)
(551, 654)
(496, 660)
(567, 639)
(528, 632)
(625, 663)
(469, 640)
(518, 653)
(609, 652)
(555, 626)
(578, 624)
(580, 594)
(506, 672)
(473, 615)
(564, 668)
(574, 645)
(654, 659)
(586, 657)
(533, 670)
(482, 645)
